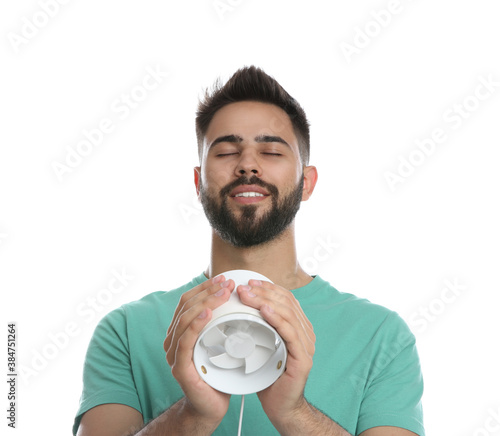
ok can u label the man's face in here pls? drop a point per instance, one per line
(251, 179)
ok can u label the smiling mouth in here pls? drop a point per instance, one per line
(249, 194)
(249, 197)
(248, 191)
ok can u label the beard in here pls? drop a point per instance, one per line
(248, 230)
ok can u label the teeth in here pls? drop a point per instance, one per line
(249, 194)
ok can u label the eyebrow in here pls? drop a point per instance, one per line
(237, 139)
(226, 138)
(271, 138)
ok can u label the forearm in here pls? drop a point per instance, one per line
(180, 419)
(308, 421)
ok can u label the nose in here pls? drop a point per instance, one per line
(248, 164)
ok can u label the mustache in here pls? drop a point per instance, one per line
(243, 180)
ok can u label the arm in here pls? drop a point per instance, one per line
(387, 431)
(202, 408)
(180, 419)
(121, 420)
(284, 401)
(310, 421)
(110, 420)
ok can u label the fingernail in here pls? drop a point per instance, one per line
(257, 282)
(219, 293)
(217, 279)
(203, 314)
(225, 284)
(245, 288)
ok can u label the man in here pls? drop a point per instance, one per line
(352, 366)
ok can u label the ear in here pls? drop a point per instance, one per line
(197, 177)
(310, 179)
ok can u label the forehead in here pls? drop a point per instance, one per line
(249, 119)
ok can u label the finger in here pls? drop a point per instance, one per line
(281, 301)
(191, 298)
(182, 357)
(279, 290)
(289, 327)
(185, 319)
(193, 292)
(297, 349)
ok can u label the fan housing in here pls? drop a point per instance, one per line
(238, 352)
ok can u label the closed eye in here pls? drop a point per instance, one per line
(226, 154)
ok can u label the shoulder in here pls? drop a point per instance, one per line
(321, 294)
(159, 305)
(351, 314)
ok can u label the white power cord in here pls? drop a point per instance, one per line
(241, 414)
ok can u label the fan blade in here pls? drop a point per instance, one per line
(263, 337)
(258, 358)
(234, 326)
(243, 325)
(226, 361)
(214, 336)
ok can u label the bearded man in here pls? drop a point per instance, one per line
(352, 366)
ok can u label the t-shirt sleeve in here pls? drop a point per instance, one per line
(395, 385)
(107, 373)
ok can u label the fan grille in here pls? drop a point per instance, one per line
(239, 343)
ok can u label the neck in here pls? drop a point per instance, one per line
(277, 260)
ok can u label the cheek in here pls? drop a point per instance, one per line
(213, 179)
(290, 184)
(288, 177)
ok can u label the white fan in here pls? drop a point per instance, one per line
(238, 352)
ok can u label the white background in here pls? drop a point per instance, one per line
(130, 204)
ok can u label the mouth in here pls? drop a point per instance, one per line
(249, 194)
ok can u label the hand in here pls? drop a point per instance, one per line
(280, 308)
(192, 314)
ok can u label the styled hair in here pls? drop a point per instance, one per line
(252, 84)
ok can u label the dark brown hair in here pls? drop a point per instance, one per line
(252, 84)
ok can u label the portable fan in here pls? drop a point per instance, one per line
(238, 352)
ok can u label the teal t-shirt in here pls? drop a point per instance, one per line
(366, 372)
